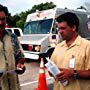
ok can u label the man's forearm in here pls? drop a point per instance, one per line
(83, 74)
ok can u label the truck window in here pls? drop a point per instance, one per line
(9, 30)
(38, 27)
(17, 32)
(54, 29)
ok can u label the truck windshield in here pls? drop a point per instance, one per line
(38, 27)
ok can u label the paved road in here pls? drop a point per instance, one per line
(29, 80)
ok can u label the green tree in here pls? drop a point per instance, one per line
(20, 23)
(40, 7)
(9, 20)
(18, 20)
(43, 6)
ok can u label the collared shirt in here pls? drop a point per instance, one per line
(80, 50)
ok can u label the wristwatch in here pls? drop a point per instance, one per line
(75, 75)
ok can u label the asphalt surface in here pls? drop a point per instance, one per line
(29, 80)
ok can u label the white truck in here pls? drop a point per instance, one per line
(37, 35)
(40, 31)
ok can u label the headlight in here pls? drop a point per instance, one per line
(37, 48)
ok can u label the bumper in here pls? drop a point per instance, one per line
(31, 55)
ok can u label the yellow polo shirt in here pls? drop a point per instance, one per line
(62, 55)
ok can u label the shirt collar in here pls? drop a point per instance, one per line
(76, 42)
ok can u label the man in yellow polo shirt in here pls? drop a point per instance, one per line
(72, 56)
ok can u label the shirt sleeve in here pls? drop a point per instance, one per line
(18, 51)
(87, 60)
(53, 56)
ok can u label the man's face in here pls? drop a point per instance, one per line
(65, 30)
(2, 20)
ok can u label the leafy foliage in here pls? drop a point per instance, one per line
(18, 20)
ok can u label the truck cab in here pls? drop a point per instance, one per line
(37, 38)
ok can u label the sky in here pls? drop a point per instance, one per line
(17, 6)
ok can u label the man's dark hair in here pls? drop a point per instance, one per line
(70, 18)
(4, 9)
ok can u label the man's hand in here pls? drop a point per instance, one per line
(21, 60)
(65, 74)
(20, 68)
